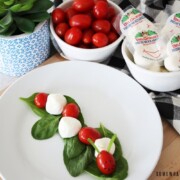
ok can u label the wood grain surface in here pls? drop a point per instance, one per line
(168, 166)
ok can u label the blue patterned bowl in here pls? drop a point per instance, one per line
(22, 53)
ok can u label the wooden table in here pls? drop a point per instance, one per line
(168, 166)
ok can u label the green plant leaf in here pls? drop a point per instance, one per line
(40, 6)
(77, 165)
(25, 7)
(2, 11)
(38, 17)
(120, 173)
(24, 24)
(8, 2)
(73, 147)
(15, 7)
(121, 163)
(45, 128)
(30, 102)
(6, 20)
(10, 30)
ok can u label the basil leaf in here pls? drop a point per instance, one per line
(121, 163)
(30, 102)
(6, 20)
(107, 133)
(46, 127)
(120, 173)
(73, 147)
(77, 165)
(38, 17)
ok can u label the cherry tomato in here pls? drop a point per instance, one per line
(101, 25)
(88, 132)
(81, 21)
(112, 36)
(61, 29)
(73, 36)
(106, 162)
(58, 16)
(100, 10)
(111, 12)
(87, 36)
(83, 5)
(40, 100)
(100, 39)
(70, 12)
(71, 110)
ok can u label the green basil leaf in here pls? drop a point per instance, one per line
(77, 165)
(45, 128)
(25, 25)
(30, 102)
(120, 173)
(121, 163)
(73, 147)
(107, 133)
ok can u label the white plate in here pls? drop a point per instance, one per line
(104, 94)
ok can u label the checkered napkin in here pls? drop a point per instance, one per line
(167, 103)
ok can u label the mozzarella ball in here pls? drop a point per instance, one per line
(55, 103)
(102, 144)
(69, 127)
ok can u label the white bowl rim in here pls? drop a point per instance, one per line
(84, 49)
(126, 58)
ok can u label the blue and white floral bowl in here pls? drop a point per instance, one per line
(22, 53)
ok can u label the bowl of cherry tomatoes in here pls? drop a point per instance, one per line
(86, 30)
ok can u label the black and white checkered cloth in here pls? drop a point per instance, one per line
(157, 11)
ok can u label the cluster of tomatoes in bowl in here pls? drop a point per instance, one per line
(86, 23)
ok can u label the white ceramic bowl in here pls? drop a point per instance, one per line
(75, 53)
(156, 81)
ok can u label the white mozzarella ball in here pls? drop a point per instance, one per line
(172, 63)
(102, 144)
(69, 127)
(55, 103)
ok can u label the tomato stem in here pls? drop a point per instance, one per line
(111, 142)
(92, 143)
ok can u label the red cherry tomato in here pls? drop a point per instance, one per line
(81, 21)
(111, 12)
(100, 10)
(40, 100)
(61, 29)
(87, 36)
(100, 39)
(112, 36)
(83, 5)
(101, 25)
(71, 110)
(58, 16)
(88, 132)
(73, 36)
(70, 12)
(106, 162)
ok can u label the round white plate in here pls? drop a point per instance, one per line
(104, 94)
